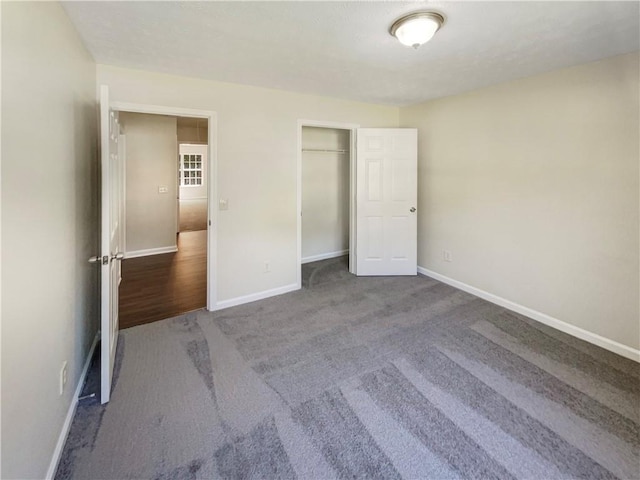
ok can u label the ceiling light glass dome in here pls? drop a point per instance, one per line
(416, 28)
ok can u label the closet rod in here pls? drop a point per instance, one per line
(317, 150)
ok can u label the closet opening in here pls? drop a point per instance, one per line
(325, 181)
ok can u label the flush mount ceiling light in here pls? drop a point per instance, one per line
(416, 28)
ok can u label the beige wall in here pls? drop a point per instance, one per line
(194, 135)
(257, 156)
(151, 162)
(49, 227)
(325, 192)
(533, 187)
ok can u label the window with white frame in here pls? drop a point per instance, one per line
(190, 169)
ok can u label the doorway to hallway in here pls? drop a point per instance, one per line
(164, 271)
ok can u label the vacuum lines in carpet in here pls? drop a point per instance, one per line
(392, 377)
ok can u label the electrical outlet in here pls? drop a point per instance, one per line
(267, 267)
(446, 255)
(63, 377)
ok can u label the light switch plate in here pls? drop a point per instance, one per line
(223, 204)
(163, 189)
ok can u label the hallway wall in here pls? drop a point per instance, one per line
(151, 164)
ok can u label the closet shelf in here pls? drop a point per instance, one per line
(318, 150)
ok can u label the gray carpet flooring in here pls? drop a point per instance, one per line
(388, 377)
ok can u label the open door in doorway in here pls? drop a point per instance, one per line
(110, 250)
(386, 223)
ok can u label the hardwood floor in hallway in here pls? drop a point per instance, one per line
(193, 214)
(166, 285)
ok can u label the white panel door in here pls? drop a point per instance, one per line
(386, 199)
(111, 255)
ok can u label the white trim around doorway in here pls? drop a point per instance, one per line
(352, 127)
(212, 189)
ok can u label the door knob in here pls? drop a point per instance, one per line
(105, 259)
(412, 209)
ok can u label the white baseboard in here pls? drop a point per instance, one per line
(565, 327)
(62, 438)
(324, 256)
(232, 302)
(151, 251)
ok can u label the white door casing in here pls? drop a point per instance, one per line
(110, 261)
(352, 188)
(212, 193)
(386, 198)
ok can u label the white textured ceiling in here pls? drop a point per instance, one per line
(342, 49)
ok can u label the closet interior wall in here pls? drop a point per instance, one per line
(325, 193)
